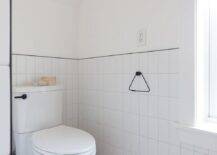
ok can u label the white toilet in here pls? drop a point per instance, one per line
(37, 125)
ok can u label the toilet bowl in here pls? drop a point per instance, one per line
(63, 140)
(37, 125)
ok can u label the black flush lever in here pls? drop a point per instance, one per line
(24, 96)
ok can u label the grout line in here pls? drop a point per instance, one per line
(78, 95)
(103, 56)
(139, 115)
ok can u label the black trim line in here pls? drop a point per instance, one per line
(103, 56)
(129, 53)
(43, 56)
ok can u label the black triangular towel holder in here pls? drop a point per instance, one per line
(138, 73)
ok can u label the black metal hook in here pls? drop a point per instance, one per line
(139, 73)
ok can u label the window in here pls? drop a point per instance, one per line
(213, 58)
(207, 59)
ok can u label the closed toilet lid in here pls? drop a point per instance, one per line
(63, 140)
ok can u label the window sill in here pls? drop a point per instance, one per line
(201, 135)
(204, 128)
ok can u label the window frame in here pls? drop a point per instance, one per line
(203, 63)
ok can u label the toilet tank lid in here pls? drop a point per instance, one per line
(29, 89)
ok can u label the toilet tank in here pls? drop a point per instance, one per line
(41, 109)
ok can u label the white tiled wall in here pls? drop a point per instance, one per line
(27, 69)
(97, 100)
(187, 149)
(129, 123)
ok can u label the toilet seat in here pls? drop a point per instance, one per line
(37, 151)
(63, 140)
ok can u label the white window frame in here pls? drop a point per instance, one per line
(203, 92)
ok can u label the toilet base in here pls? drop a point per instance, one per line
(23, 144)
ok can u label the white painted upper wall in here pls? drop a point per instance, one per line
(98, 27)
(111, 26)
(45, 27)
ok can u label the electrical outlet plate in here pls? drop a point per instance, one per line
(142, 37)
